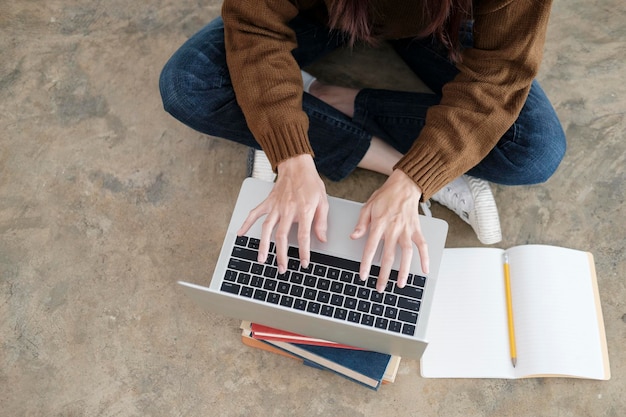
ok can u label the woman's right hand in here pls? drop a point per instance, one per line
(299, 196)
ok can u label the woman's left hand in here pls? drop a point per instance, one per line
(391, 214)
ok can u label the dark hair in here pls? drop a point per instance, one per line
(444, 16)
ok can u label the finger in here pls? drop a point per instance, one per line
(365, 218)
(389, 255)
(422, 249)
(320, 221)
(405, 262)
(253, 216)
(304, 239)
(266, 234)
(369, 251)
(282, 243)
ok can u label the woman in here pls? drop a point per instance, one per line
(239, 78)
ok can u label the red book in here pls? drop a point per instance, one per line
(261, 332)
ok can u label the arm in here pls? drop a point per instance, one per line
(265, 76)
(486, 97)
(268, 88)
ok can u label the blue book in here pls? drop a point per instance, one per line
(362, 366)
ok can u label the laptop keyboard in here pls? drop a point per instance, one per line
(330, 286)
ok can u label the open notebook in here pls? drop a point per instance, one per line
(559, 329)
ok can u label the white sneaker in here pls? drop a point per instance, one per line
(261, 167)
(307, 81)
(472, 200)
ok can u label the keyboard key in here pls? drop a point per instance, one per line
(308, 269)
(381, 323)
(350, 290)
(394, 326)
(327, 311)
(333, 273)
(269, 284)
(409, 304)
(364, 293)
(350, 303)
(336, 287)
(356, 280)
(407, 316)
(243, 278)
(323, 284)
(230, 275)
(253, 243)
(346, 276)
(270, 272)
(408, 329)
(256, 281)
(260, 295)
(376, 297)
(310, 293)
(310, 280)
(409, 291)
(296, 277)
(286, 301)
(257, 269)
(336, 299)
(299, 304)
(393, 275)
(391, 312)
(367, 320)
(354, 317)
(247, 291)
(390, 299)
(319, 270)
(418, 281)
(313, 307)
(377, 310)
(230, 287)
(293, 264)
(241, 240)
(340, 313)
(283, 287)
(296, 290)
(364, 306)
(273, 298)
(374, 270)
(244, 253)
(323, 297)
(283, 277)
(270, 259)
(340, 263)
(239, 265)
(371, 282)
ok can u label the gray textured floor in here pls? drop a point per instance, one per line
(105, 201)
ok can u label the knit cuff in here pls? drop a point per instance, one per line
(284, 142)
(426, 169)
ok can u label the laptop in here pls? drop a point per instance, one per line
(327, 300)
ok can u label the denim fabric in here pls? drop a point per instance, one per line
(196, 89)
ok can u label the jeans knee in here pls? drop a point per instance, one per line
(540, 164)
(192, 88)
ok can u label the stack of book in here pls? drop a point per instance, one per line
(365, 367)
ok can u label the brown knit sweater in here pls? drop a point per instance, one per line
(477, 107)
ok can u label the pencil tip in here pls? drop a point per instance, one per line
(514, 361)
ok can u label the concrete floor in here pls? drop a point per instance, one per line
(105, 201)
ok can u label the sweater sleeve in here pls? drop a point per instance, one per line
(480, 104)
(265, 76)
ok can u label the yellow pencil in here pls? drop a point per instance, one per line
(509, 310)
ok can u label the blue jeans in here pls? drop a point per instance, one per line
(196, 89)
